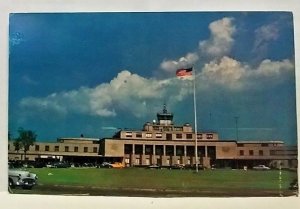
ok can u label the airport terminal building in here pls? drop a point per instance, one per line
(165, 144)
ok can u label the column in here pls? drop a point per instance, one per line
(133, 149)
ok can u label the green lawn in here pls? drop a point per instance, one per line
(165, 179)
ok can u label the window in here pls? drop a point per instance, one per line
(159, 149)
(139, 135)
(147, 161)
(264, 145)
(209, 136)
(149, 149)
(46, 148)
(241, 152)
(178, 129)
(156, 128)
(158, 135)
(251, 152)
(56, 148)
(179, 150)
(75, 149)
(85, 149)
(138, 148)
(8, 146)
(169, 137)
(37, 147)
(148, 135)
(128, 148)
(179, 136)
(169, 150)
(190, 150)
(199, 136)
(137, 161)
(128, 134)
(272, 152)
(94, 149)
(261, 152)
(240, 145)
(66, 148)
(189, 136)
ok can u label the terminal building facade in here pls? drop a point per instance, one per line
(165, 144)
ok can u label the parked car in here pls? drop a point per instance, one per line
(177, 166)
(294, 185)
(154, 166)
(61, 165)
(261, 167)
(117, 165)
(105, 165)
(21, 178)
(112, 165)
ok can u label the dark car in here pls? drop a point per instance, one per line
(61, 165)
(154, 166)
(177, 166)
(294, 185)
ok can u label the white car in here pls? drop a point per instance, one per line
(261, 167)
(20, 178)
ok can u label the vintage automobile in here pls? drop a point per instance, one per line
(261, 167)
(154, 166)
(294, 185)
(105, 165)
(20, 178)
(112, 165)
(117, 165)
(177, 166)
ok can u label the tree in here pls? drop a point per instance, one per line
(17, 145)
(25, 140)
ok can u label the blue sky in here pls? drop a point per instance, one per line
(91, 73)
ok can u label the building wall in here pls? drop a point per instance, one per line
(226, 150)
(263, 150)
(55, 150)
(143, 151)
(113, 148)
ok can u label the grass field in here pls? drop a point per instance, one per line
(208, 181)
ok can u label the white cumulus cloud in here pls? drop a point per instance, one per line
(138, 96)
(265, 34)
(221, 40)
(227, 72)
(230, 73)
(218, 45)
(126, 92)
(183, 62)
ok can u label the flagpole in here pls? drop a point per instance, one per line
(195, 115)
